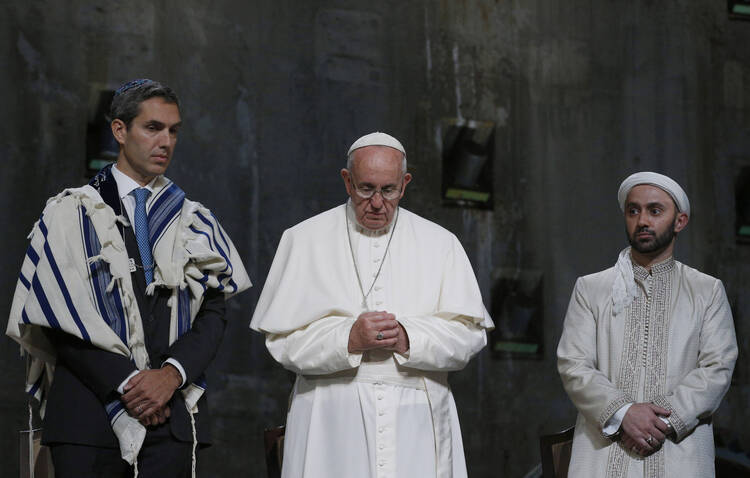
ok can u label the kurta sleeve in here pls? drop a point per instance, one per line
(439, 343)
(699, 393)
(321, 347)
(591, 391)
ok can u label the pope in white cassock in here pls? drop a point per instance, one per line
(647, 350)
(371, 306)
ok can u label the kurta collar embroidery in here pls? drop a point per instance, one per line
(663, 267)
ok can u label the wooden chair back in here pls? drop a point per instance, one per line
(556, 450)
(273, 438)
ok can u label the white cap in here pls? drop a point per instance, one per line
(377, 139)
(665, 183)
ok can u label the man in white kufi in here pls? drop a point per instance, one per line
(371, 306)
(647, 350)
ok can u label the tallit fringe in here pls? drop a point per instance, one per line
(31, 442)
(195, 440)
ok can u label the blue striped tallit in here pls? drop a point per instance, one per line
(75, 278)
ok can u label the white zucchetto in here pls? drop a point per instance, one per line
(377, 139)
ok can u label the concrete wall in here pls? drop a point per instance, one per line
(273, 92)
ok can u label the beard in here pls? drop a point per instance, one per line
(657, 243)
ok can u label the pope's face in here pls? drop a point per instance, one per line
(375, 168)
(652, 220)
(146, 147)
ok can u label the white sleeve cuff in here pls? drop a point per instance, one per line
(121, 388)
(179, 369)
(353, 359)
(614, 422)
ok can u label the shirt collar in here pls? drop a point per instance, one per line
(126, 184)
(663, 267)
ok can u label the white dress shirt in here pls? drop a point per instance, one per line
(126, 185)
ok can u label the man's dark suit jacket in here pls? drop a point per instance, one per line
(86, 377)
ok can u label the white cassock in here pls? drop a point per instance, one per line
(674, 345)
(373, 414)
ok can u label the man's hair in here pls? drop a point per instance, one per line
(126, 103)
(350, 160)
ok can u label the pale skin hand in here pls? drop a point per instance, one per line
(147, 393)
(363, 335)
(402, 343)
(642, 420)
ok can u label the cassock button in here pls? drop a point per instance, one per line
(378, 302)
(380, 396)
(380, 430)
(377, 259)
(377, 287)
(376, 244)
(381, 413)
(381, 446)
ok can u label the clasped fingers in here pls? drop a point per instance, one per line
(373, 330)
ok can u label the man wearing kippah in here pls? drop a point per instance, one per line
(120, 306)
(647, 350)
(371, 306)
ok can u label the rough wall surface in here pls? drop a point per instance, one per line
(583, 92)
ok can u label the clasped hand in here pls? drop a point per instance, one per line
(643, 432)
(366, 329)
(148, 392)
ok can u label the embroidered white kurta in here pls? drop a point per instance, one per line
(674, 346)
(376, 414)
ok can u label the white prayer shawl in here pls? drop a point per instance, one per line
(60, 286)
(676, 350)
(624, 288)
(311, 299)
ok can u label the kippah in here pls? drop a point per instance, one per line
(132, 84)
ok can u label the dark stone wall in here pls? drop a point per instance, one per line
(582, 93)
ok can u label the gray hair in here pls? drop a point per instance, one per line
(126, 103)
(350, 159)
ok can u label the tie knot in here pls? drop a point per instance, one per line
(140, 195)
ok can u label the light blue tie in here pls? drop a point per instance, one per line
(140, 222)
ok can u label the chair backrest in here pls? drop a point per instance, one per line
(556, 450)
(273, 439)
